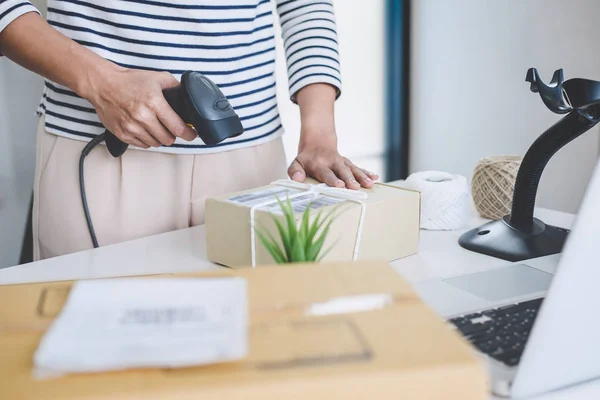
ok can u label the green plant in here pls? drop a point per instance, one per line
(303, 243)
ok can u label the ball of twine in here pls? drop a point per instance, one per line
(493, 185)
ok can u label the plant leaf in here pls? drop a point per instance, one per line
(272, 247)
(327, 251)
(302, 240)
(305, 225)
(314, 250)
(316, 224)
(285, 238)
(288, 213)
(298, 254)
(280, 252)
(333, 216)
(313, 253)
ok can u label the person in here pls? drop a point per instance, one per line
(105, 65)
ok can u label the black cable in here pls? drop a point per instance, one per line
(86, 150)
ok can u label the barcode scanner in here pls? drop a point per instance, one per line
(200, 104)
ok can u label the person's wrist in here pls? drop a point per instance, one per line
(93, 80)
(316, 103)
(324, 137)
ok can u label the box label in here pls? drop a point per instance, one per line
(261, 196)
(299, 203)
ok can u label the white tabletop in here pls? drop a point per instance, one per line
(185, 250)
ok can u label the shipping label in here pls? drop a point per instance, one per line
(270, 195)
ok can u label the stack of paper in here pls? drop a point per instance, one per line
(118, 324)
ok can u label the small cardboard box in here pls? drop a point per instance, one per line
(389, 229)
(397, 351)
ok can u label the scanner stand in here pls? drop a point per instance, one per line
(519, 236)
(498, 239)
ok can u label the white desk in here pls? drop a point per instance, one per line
(185, 250)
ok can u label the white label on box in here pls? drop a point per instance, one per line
(299, 204)
(261, 196)
(118, 324)
(350, 304)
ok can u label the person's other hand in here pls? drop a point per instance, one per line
(318, 155)
(131, 105)
(322, 161)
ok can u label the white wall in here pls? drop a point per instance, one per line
(6, 159)
(20, 91)
(469, 97)
(360, 110)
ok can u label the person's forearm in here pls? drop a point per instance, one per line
(31, 42)
(316, 104)
(128, 102)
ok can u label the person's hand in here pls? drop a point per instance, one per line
(318, 156)
(131, 105)
(320, 160)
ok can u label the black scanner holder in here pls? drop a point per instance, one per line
(200, 104)
(519, 236)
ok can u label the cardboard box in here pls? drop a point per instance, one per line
(402, 350)
(390, 228)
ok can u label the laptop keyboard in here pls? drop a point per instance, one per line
(501, 332)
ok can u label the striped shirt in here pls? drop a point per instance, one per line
(230, 41)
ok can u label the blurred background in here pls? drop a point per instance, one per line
(428, 85)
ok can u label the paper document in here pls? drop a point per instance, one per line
(117, 324)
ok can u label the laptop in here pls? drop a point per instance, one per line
(535, 322)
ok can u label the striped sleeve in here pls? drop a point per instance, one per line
(11, 10)
(310, 40)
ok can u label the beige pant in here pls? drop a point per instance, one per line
(139, 194)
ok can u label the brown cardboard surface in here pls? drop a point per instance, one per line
(400, 351)
(390, 231)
